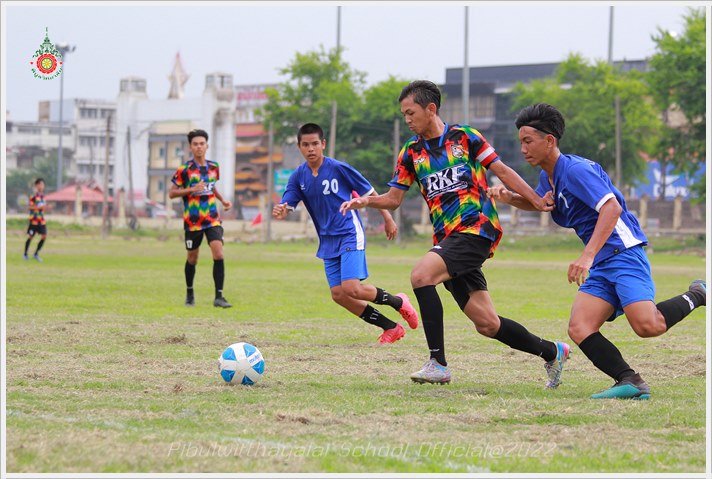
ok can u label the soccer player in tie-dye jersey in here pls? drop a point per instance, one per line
(195, 182)
(38, 225)
(448, 162)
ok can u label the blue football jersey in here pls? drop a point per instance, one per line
(322, 196)
(581, 187)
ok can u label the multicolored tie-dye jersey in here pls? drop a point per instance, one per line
(200, 210)
(451, 173)
(37, 204)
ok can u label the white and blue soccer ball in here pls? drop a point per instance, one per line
(241, 363)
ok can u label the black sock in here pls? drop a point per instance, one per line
(372, 316)
(39, 246)
(517, 337)
(189, 275)
(384, 297)
(431, 313)
(676, 309)
(605, 356)
(218, 276)
(27, 245)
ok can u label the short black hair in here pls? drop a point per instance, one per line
(39, 180)
(424, 92)
(542, 117)
(308, 129)
(193, 133)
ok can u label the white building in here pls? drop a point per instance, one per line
(136, 114)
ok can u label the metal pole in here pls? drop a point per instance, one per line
(332, 128)
(105, 201)
(466, 75)
(60, 152)
(618, 143)
(610, 36)
(270, 184)
(396, 150)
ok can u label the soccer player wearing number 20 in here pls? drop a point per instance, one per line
(323, 184)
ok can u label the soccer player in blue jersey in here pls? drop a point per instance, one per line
(323, 184)
(612, 272)
(449, 164)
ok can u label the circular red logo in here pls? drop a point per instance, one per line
(47, 63)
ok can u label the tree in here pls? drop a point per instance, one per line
(677, 82)
(365, 115)
(315, 79)
(585, 94)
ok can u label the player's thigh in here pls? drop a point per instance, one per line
(214, 236)
(588, 313)
(429, 270)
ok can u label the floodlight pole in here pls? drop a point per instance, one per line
(63, 50)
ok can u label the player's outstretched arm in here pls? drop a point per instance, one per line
(501, 193)
(513, 181)
(387, 201)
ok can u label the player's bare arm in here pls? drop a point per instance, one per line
(226, 204)
(514, 182)
(390, 226)
(608, 216)
(501, 193)
(176, 192)
(390, 200)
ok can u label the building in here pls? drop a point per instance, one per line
(93, 122)
(146, 125)
(29, 141)
(490, 105)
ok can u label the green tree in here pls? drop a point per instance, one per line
(678, 83)
(585, 94)
(365, 116)
(314, 80)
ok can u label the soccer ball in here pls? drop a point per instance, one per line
(241, 363)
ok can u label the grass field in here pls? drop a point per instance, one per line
(107, 371)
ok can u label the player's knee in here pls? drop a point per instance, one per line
(419, 278)
(578, 332)
(486, 327)
(352, 291)
(338, 295)
(649, 329)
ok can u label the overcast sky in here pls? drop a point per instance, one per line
(254, 40)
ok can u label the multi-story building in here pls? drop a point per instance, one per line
(29, 141)
(490, 105)
(145, 126)
(93, 122)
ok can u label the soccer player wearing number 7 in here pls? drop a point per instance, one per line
(323, 184)
(449, 163)
(612, 272)
(195, 181)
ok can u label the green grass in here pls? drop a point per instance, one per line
(108, 372)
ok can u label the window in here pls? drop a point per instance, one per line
(160, 185)
(162, 152)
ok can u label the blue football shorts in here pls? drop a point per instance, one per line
(350, 265)
(622, 279)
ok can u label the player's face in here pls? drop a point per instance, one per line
(198, 146)
(312, 147)
(534, 145)
(40, 187)
(418, 119)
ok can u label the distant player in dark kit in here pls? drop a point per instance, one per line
(449, 163)
(323, 184)
(195, 182)
(38, 225)
(612, 272)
